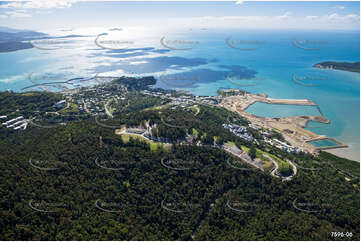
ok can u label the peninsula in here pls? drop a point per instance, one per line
(343, 66)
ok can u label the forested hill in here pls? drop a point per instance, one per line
(344, 66)
(81, 181)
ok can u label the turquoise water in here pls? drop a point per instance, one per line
(323, 143)
(337, 92)
(268, 68)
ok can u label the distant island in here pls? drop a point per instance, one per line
(14, 39)
(343, 66)
(14, 46)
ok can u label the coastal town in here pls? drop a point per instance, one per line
(292, 128)
(99, 100)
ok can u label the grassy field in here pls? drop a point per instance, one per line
(230, 143)
(28, 94)
(195, 109)
(283, 165)
(246, 148)
(72, 108)
(204, 135)
(153, 145)
(164, 106)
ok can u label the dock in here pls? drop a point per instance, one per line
(303, 102)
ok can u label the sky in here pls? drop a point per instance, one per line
(54, 14)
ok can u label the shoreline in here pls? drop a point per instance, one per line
(297, 124)
(344, 154)
(337, 65)
(292, 127)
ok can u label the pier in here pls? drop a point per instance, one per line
(303, 102)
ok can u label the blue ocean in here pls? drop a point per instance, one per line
(202, 61)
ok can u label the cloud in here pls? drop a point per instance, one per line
(239, 1)
(344, 18)
(286, 15)
(286, 21)
(40, 4)
(352, 17)
(12, 79)
(340, 7)
(17, 14)
(333, 16)
(311, 17)
(4, 16)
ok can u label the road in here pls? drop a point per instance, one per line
(85, 107)
(276, 169)
(107, 110)
(244, 157)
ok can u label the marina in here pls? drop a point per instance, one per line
(292, 128)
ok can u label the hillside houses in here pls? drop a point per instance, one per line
(239, 131)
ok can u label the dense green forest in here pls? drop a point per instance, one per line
(27, 103)
(136, 83)
(344, 66)
(82, 182)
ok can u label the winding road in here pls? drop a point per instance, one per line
(275, 169)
